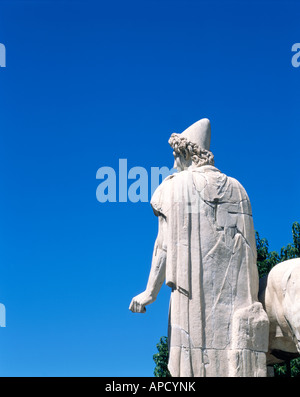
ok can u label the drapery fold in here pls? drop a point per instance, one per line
(211, 268)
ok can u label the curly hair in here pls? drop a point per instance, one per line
(185, 148)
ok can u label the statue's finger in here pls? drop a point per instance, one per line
(132, 306)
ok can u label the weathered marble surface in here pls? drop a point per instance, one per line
(279, 293)
(206, 252)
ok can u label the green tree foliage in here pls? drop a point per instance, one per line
(265, 261)
(161, 358)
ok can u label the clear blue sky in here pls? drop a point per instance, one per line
(88, 83)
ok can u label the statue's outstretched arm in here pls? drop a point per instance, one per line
(157, 272)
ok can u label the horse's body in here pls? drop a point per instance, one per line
(279, 292)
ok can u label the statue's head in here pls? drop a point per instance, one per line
(191, 147)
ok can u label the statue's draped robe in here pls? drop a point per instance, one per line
(216, 325)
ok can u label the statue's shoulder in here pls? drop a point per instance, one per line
(169, 180)
(162, 193)
(240, 195)
(237, 185)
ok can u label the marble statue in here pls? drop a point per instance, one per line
(205, 251)
(279, 293)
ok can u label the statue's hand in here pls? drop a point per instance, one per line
(139, 302)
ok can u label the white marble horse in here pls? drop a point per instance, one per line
(279, 292)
